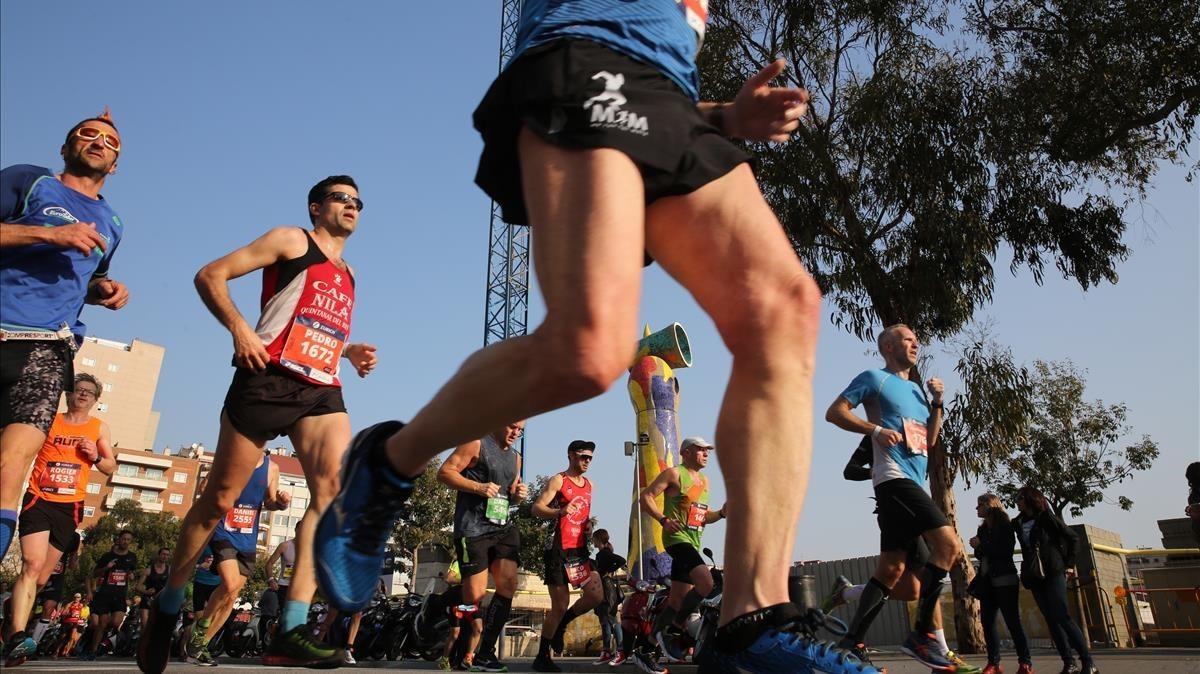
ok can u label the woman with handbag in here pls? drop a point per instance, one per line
(1047, 554)
(996, 584)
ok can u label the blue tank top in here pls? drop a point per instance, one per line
(240, 525)
(44, 286)
(665, 34)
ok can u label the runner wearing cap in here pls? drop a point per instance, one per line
(486, 474)
(683, 517)
(567, 500)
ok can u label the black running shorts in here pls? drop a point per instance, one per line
(905, 512)
(200, 594)
(223, 550)
(107, 601)
(476, 554)
(684, 558)
(555, 560)
(580, 94)
(60, 519)
(33, 375)
(265, 405)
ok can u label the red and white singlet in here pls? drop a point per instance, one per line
(305, 322)
(571, 527)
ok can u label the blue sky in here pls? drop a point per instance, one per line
(230, 111)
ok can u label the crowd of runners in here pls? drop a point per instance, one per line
(594, 138)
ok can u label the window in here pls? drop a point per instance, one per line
(127, 469)
(154, 473)
(108, 387)
(112, 367)
(176, 499)
(88, 511)
(90, 362)
(299, 503)
(292, 522)
(101, 407)
(93, 488)
(149, 497)
(119, 493)
(281, 520)
(181, 477)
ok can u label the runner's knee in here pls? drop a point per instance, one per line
(579, 363)
(753, 320)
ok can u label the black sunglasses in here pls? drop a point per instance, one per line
(584, 457)
(345, 199)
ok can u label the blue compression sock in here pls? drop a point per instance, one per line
(295, 613)
(170, 600)
(8, 524)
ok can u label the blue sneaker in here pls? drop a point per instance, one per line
(791, 649)
(20, 648)
(352, 534)
(924, 649)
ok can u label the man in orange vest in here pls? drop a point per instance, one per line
(53, 503)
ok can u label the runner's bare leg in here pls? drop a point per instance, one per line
(320, 442)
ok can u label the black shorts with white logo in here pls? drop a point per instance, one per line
(905, 511)
(555, 560)
(60, 519)
(581, 94)
(223, 550)
(33, 375)
(684, 558)
(476, 554)
(265, 405)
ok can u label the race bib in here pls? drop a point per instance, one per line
(117, 577)
(241, 518)
(695, 12)
(60, 478)
(496, 511)
(313, 349)
(696, 514)
(578, 570)
(288, 569)
(915, 435)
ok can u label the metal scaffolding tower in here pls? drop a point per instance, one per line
(506, 306)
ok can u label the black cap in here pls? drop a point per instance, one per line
(577, 445)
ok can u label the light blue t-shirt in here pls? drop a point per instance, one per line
(890, 400)
(44, 286)
(664, 34)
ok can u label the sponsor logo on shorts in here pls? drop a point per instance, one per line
(60, 213)
(606, 107)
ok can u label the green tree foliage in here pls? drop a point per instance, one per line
(1073, 452)
(151, 531)
(428, 515)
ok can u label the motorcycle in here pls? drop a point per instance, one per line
(241, 633)
(404, 641)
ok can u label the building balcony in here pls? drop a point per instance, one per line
(143, 459)
(140, 482)
(148, 506)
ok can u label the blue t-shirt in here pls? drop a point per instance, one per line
(665, 34)
(206, 576)
(239, 527)
(889, 401)
(44, 286)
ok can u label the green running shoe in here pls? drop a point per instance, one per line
(297, 648)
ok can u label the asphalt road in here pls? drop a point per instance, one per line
(1141, 661)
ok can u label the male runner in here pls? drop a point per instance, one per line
(595, 137)
(285, 554)
(57, 239)
(286, 383)
(486, 474)
(234, 547)
(108, 589)
(53, 502)
(903, 425)
(52, 590)
(154, 579)
(684, 515)
(858, 469)
(567, 500)
(73, 618)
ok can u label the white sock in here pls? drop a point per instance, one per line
(940, 635)
(853, 592)
(40, 629)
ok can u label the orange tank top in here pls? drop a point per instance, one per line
(60, 473)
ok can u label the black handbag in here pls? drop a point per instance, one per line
(980, 587)
(1032, 570)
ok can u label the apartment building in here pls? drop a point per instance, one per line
(159, 482)
(128, 374)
